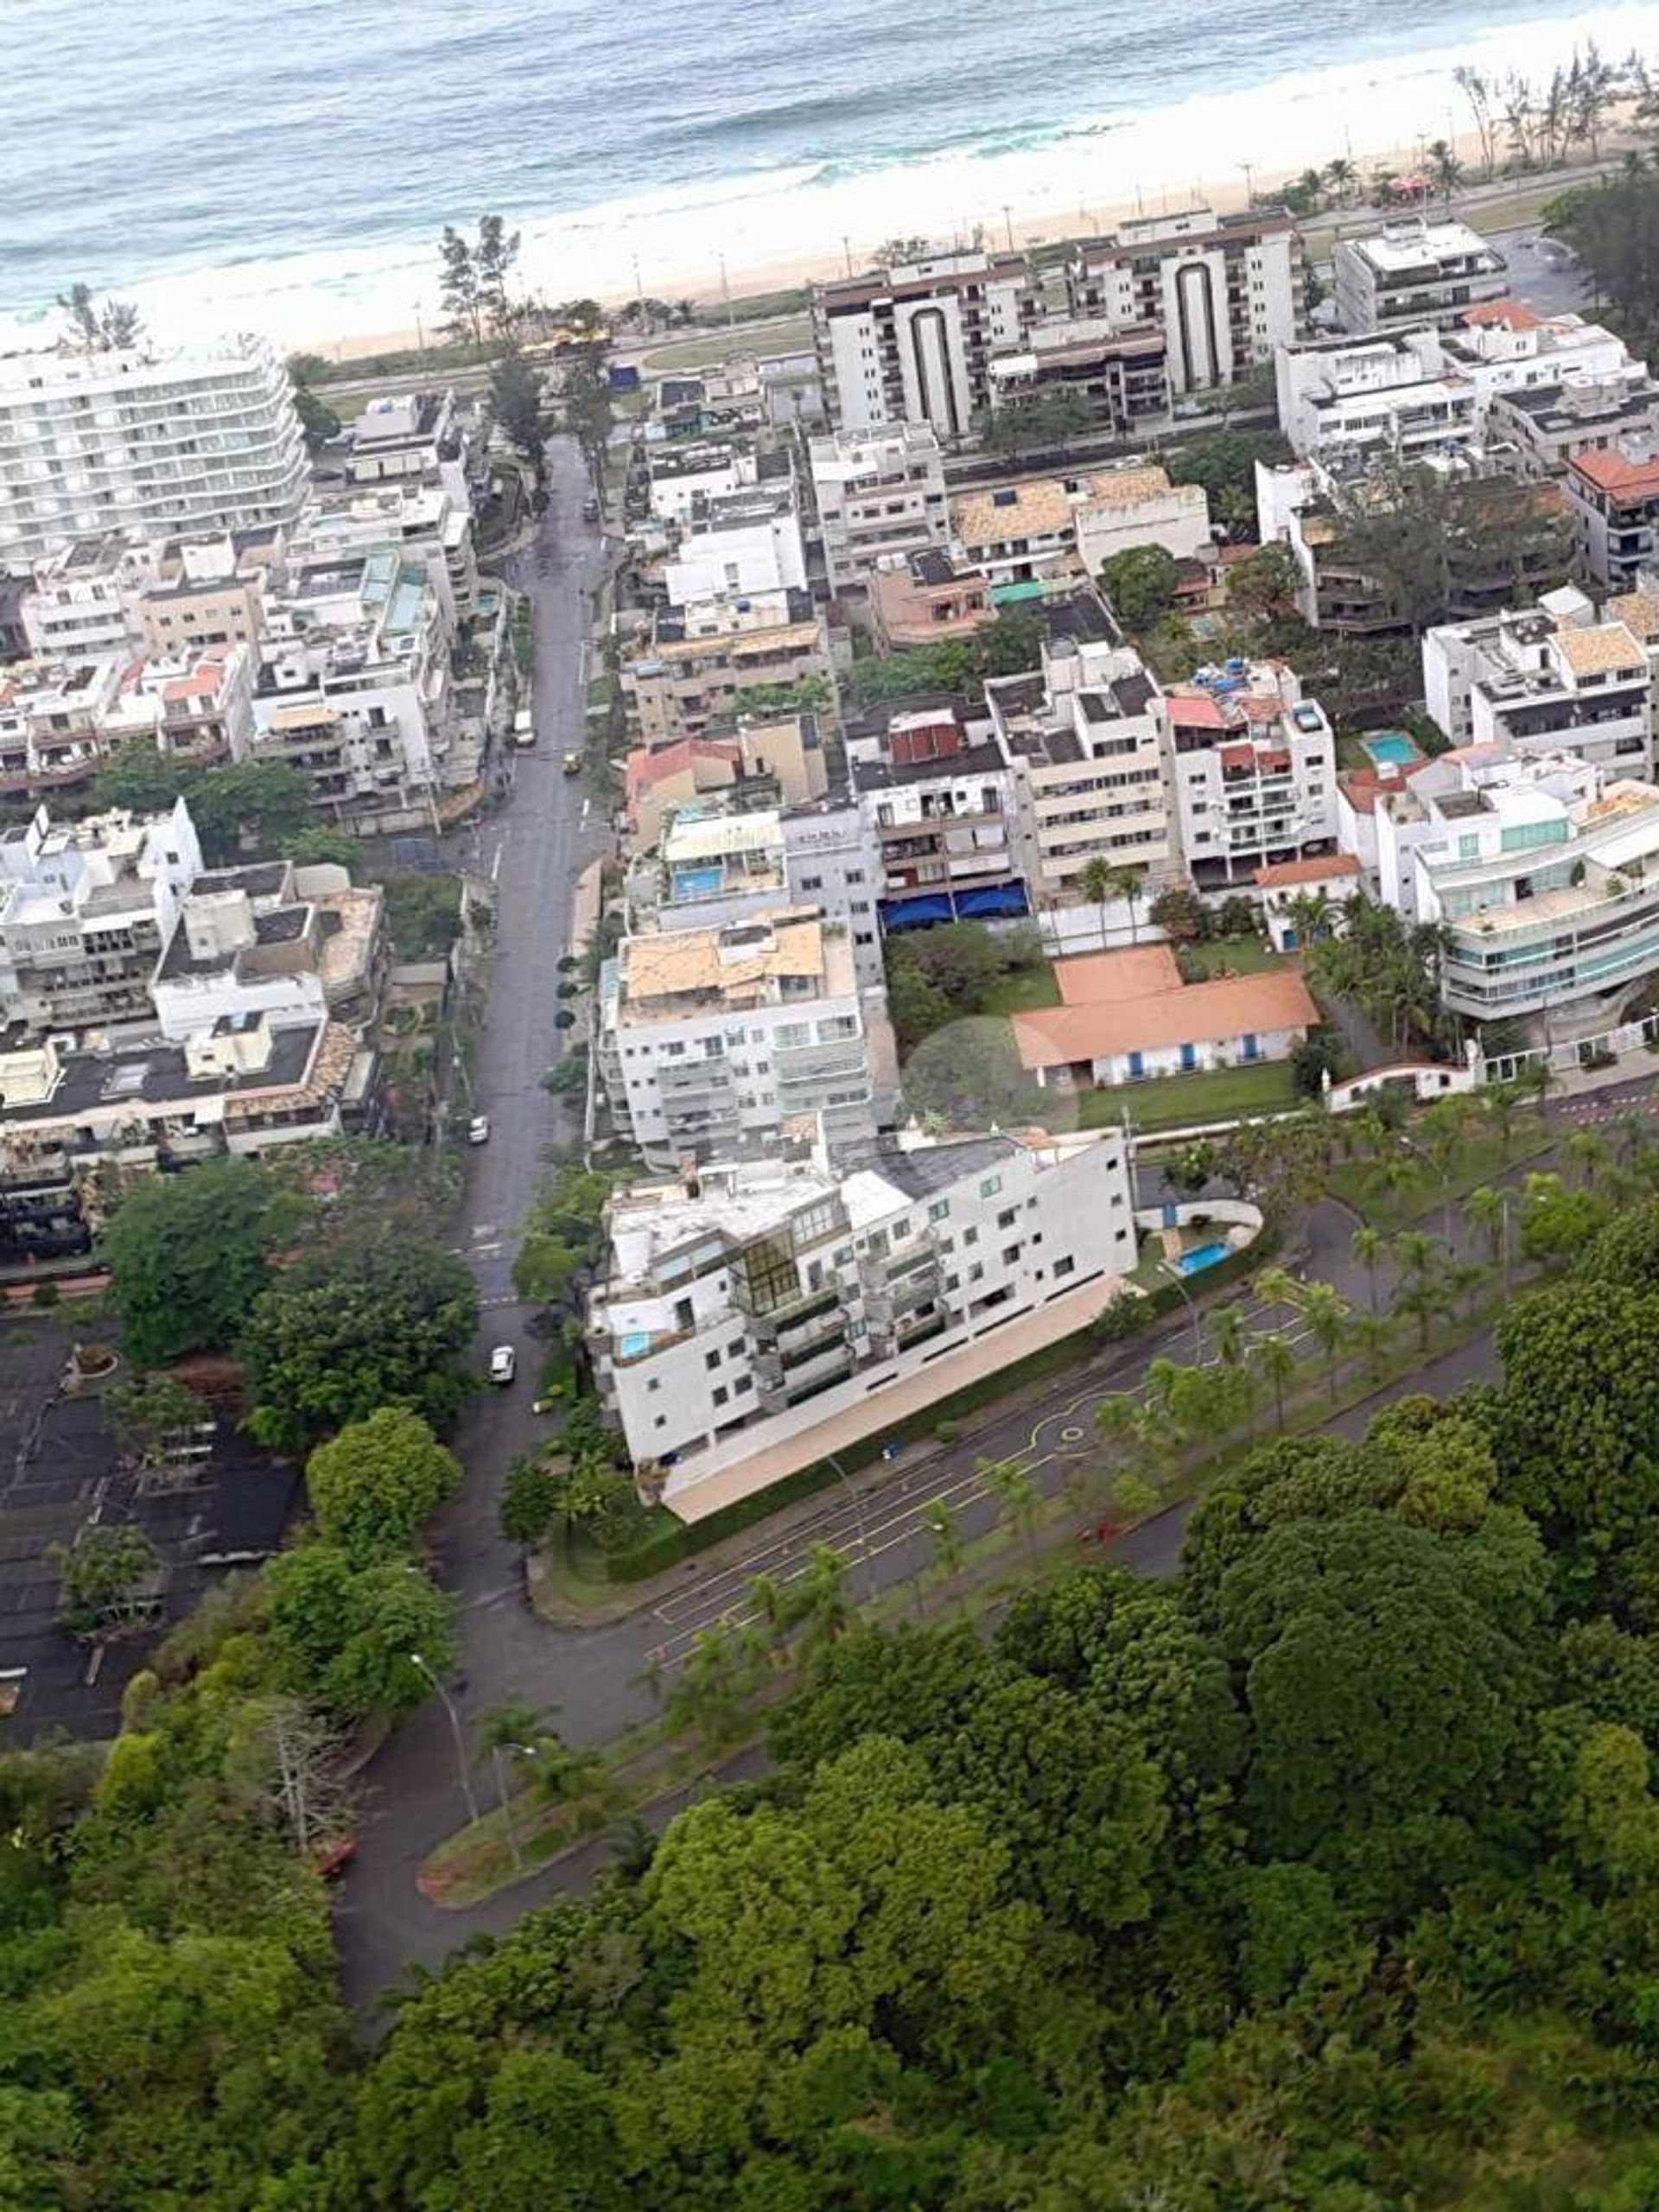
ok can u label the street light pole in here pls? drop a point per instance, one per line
(858, 1511)
(1180, 1281)
(462, 1773)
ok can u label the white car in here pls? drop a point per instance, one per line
(478, 1129)
(504, 1363)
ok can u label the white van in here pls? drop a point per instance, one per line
(524, 729)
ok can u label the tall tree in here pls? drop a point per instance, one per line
(189, 1254)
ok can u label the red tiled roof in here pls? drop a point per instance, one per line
(1195, 710)
(1191, 1013)
(1280, 873)
(1242, 755)
(1510, 313)
(1109, 978)
(647, 766)
(1611, 472)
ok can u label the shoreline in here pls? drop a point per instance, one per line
(1031, 225)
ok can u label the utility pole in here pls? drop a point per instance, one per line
(1007, 223)
(461, 1771)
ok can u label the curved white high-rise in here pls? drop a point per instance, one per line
(145, 443)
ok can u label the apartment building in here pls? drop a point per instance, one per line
(60, 720)
(269, 940)
(422, 520)
(912, 342)
(1613, 497)
(396, 437)
(1120, 376)
(927, 598)
(354, 684)
(145, 443)
(1424, 388)
(1253, 770)
(709, 1038)
(831, 859)
(1544, 876)
(1018, 533)
(85, 597)
(1224, 291)
(1414, 270)
(1543, 680)
(208, 597)
(738, 542)
(85, 908)
(941, 811)
(1059, 526)
(1135, 504)
(880, 499)
(746, 1303)
(1083, 739)
(702, 662)
(680, 473)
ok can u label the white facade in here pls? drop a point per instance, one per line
(745, 1306)
(680, 475)
(881, 497)
(830, 859)
(1254, 771)
(1415, 270)
(711, 1038)
(912, 343)
(1138, 505)
(85, 598)
(1224, 290)
(144, 443)
(1540, 681)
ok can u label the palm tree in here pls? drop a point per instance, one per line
(1422, 1300)
(1490, 1211)
(947, 1551)
(1278, 1363)
(1463, 1279)
(517, 1731)
(1370, 1333)
(1017, 1493)
(704, 1700)
(1277, 1288)
(1366, 1245)
(822, 1600)
(1444, 168)
(1587, 1150)
(1326, 1315)
(1226, 1334)
(1339, 175)
(1415, 1252)
(776, 1608)
(1503, 1103)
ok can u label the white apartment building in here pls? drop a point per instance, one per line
(144, 442)
(86, 597)
(424, 519)
(1415, 270)
(1419, 389)
(912, 343)
(355, 685)
(940, 806)
(85, 908)
(1224, 291)
(1084, 738)
(831, 860)
(709, 1038)
(680, 474)
(747, 1303)
(1059, 525)
(1545, 875)
(738, 542)
(1544, 680)
(880, 497)
(1254, 772)
(268, 941)
(1135, 504)
(399, 436)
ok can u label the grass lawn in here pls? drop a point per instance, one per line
(1245, 955)
(705, 352)
(1172, 1102)
(1481, 1159)
(1021, 990)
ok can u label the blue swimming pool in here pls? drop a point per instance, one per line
(698, 882)
(1388, 748)
(633, 1343)
(1201, 1255)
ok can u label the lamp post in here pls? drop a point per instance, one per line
(1180, 1281)
(463, 1775)
(857, 1503)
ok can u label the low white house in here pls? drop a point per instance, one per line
(1285, 885)
(1126, 1016)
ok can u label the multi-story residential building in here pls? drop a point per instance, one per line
(1415, 270)
(1254, 772)
(1548, 426)
(738, 542)
(59, 721)
(913, 343)
(1135, 504)
(1544, 876)
(1084, 740)
(85, 908)
(86, 596)
(1425, 388)
(1544, 680)
(941, 811)
(1017, 533)
(1123, 376)
(927, 598)
(144, 443)
(251, 941)
(1613, 496)
(1061, 525)
(679, 474)
(208, 597)
(1224, 291)
(880, 499)
(395, 438)
(246, 1086)
(831, 859)
(701, 662)
(354, 684)
(422, 518)
(712, 1038)
(746, 1303)
(777, 762)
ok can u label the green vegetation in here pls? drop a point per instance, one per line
(244, 808)
(1223, 462)
(1140, 582)
(423, 914)
(1028, 423)
(317, 419)
(1172, 1102)
(1005, 648)
(188, 1254)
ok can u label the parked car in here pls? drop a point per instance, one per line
(478, 1129)
(572, 763)
(590, 511)
(504, 1363)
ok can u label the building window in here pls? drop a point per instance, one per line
(743, 1382)
(991, 1186)
(711, 1359)
(1011, 1255)
(939, 1210)
(1009, 1216)
(1065, 1267)
(719, 1393)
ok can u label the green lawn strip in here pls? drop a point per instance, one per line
(705, 352)
(1176, 1100)
(1243, 955)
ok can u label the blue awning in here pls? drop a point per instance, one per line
(919, 913)
(992, 899)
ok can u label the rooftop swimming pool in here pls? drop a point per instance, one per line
(1390, 749)
(698, 882)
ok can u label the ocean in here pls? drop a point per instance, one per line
(287, 165)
